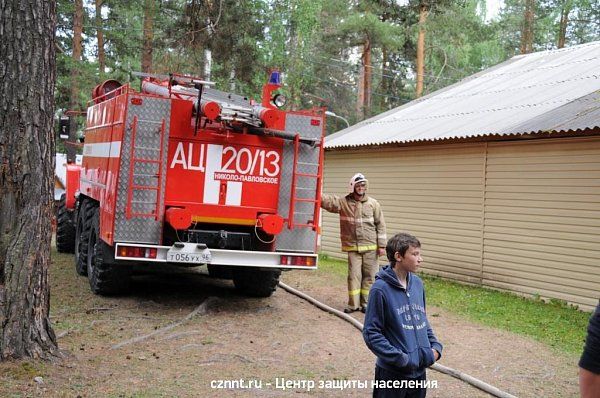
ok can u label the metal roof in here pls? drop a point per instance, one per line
(556, 90)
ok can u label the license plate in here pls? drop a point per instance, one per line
(181, 256)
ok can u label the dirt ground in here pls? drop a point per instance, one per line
(272, 343)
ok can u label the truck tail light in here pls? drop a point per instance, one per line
(298, 260)
(137, 252)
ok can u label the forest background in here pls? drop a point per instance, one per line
(357, 58)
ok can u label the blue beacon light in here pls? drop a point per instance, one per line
(275, 78)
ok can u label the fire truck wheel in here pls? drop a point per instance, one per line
(256, 283)
(82, 232)
(65, 229)
(105, 277)
(219, 271)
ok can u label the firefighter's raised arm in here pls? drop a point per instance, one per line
(331, 203)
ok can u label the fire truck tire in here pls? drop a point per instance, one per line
(82, 232)
(219, 271)
(256, 283)
(65, 229)
(105, 277)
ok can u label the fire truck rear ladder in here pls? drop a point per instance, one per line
(129, 213)
(318, 176)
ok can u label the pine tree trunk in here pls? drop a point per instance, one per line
(564, 22)
(148, 36)
(420, 64)
(100, 37)
(27, 77)
(368, 75)
(360, 98)
(74, 96)
(527, 32)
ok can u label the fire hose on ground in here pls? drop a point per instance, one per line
(494, 391)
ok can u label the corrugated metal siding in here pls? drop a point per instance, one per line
(434, 192)
(520, 216)
(542, 219)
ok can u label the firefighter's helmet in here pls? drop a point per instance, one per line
(356, 178)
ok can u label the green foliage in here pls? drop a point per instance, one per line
(585, 21)
(317, 44)
(360, 26)
(583, 26)
(289, 42)
(458, 49)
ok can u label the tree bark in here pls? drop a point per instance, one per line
(148, 36)
(74, 95)
(420, 63)
(527, 31)
(366, 58)
(100, 38)
(564, 22)
(27, 78)
(360, 98)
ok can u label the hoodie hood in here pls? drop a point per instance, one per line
(388, 275)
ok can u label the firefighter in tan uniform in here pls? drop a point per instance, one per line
(362, 232)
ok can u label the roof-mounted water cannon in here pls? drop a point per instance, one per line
(217, 105)
(175, 88)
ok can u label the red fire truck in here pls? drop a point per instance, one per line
(180, 174)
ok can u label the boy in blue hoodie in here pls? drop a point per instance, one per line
(396, 328)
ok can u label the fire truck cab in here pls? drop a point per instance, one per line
(184, 175)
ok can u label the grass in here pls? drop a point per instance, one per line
(333, 266)
(553, 323)
(26, 370)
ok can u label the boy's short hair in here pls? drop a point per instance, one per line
(400, 243)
